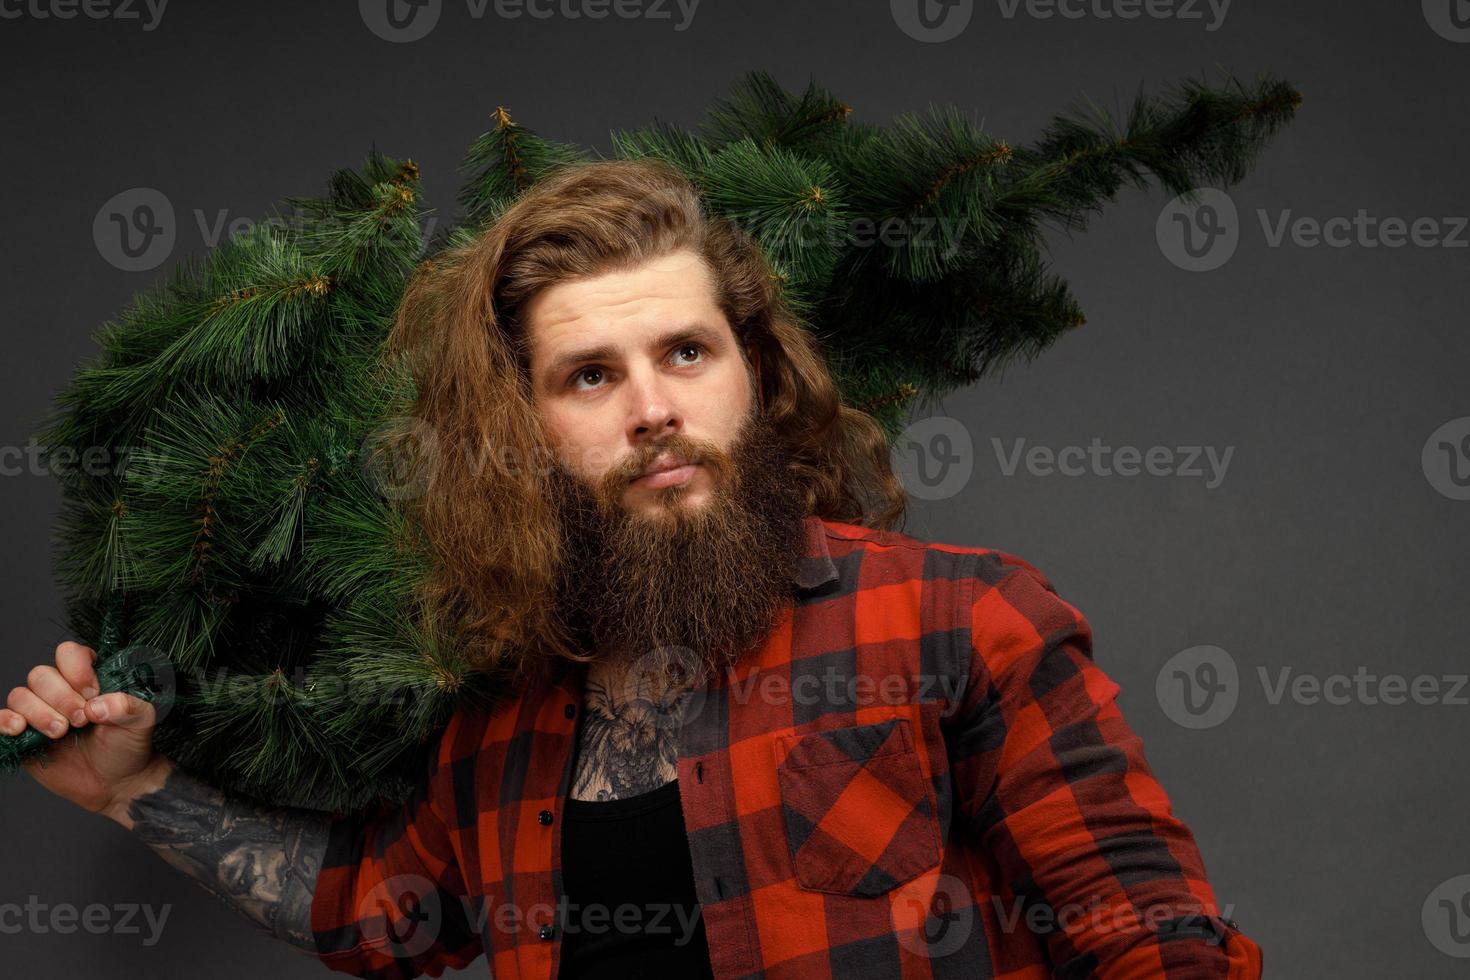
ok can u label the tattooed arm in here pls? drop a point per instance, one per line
(261, 861)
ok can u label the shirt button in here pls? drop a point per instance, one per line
(570, 710)
(544, 816)
(546, 932)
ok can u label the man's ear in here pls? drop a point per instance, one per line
(755, 364)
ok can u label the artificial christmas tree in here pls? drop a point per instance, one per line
(251, 569)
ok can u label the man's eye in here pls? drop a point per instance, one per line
(583, 373)
(693, 347)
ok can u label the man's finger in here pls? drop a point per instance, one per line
(37, 712)
(120, 709)
(76, 663)
(46, 681)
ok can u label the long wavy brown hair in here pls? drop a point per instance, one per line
(491, 527)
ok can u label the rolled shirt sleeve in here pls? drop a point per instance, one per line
(390, 901)
(1053, 782)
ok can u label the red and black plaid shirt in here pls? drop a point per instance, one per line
(919, 773)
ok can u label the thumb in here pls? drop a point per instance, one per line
(121, 710)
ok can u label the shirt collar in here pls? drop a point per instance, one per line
(815, 567)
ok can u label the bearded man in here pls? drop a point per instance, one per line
(750, 730)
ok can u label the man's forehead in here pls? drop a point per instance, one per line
(628, 313)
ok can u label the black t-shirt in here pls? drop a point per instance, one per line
(629, 886)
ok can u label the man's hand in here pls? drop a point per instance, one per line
(261, 861)
(110, 759)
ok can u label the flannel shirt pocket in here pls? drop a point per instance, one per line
(858, 810)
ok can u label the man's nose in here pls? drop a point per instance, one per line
(652, 410)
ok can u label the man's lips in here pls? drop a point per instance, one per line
(666, 473)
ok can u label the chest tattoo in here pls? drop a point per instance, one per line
(629, 736)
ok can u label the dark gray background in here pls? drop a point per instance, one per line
(1326, 548)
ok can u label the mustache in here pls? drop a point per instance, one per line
(681, 448)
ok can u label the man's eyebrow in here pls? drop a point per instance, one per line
(605, 352)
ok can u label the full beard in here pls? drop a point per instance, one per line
(687, 590)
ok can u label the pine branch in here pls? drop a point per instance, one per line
(502, 163)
